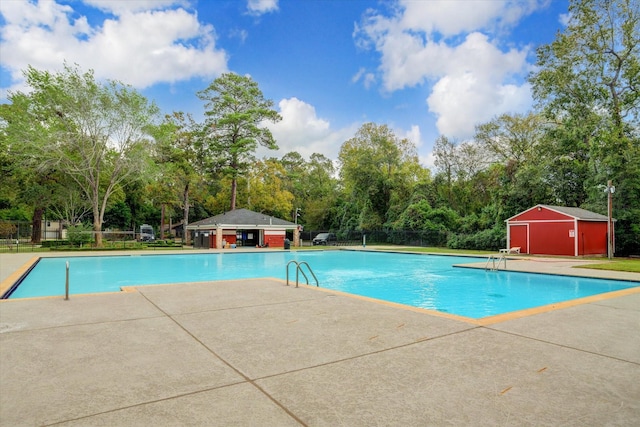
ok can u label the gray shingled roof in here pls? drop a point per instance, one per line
(578, 213)
(242, 218)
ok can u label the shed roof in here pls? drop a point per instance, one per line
(241, 218)
(576, 213)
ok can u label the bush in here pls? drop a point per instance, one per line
(54, 243)
(80, 234)
(489, 239)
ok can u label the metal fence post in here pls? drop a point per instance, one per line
(66, 284)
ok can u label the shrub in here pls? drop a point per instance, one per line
(489, 239)
(54, 243)
(80, 234)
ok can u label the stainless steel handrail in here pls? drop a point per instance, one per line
(299, 270)
(492, 258)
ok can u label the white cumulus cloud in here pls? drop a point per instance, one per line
(454, 49)
(260, 7)
(303, 131)
(141, 43)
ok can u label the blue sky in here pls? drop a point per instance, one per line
(423, 67)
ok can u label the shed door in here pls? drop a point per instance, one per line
(519, 237)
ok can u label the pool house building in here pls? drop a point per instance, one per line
(558, 230)
(242, 227)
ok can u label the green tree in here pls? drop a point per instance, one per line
(446, 159)
(313, 186)
(321, 189)
(25, 181)
(588, 85)
(95, 133)
(266, 191)
(457, 184)
(374, 166)
(118, 216)
(236, 111)
(180, 158)
(512, 138)
(515, 143)
(262, 189)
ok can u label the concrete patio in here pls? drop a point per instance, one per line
(257, 352)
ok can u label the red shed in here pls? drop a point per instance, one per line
(558, 230)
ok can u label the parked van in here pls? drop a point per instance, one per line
(325, 239)
(146, 233)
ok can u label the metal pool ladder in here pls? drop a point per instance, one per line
(502, 257)
(299, 270)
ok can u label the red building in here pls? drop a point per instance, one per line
(557, 230)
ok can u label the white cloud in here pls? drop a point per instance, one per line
(303, 131)
(476, 87)
(368, 79)
(138, 46)
(451, 18)
(260, 7)
(119, 7)
(454, 49)
(239, 34)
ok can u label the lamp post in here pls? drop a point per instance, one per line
(610, 190)
(297, 214)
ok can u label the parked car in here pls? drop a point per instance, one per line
(325, 239)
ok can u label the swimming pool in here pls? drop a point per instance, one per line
(425, 281)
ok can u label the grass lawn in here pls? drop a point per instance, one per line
(630, 265)
(625, 264)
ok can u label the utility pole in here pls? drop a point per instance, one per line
(610, 190)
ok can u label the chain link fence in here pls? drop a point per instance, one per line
(380, 237)
(16, 236)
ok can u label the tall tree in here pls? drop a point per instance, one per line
(266, 190)
(588, 84)
(511, 138)
(516, 144)
(24, 179)
(373, 169)
(236, 112)
(313, 186)
(178, 155)
(96, 133)
(446, 160)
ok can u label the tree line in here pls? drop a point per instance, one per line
(100, 153)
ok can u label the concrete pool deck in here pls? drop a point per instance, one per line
(256, 352)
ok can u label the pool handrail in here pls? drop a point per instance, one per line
(299, 270)
(492, 258)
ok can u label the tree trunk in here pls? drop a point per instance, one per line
(185, 221)
(234, 189)
(36, 229)
(162, 222)
(97, 228)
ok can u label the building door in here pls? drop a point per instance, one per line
(519, 237)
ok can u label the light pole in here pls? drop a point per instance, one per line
(610, 190)
(297, 214)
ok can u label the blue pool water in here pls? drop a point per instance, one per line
(425, 281)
